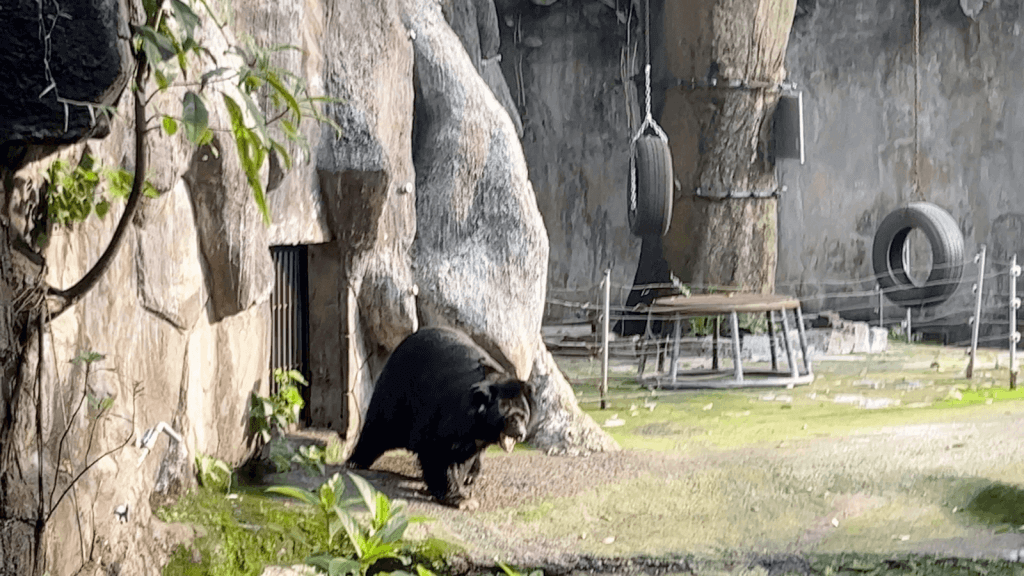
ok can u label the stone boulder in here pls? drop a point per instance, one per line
(56, 72)
(362, 280)
(481, 250)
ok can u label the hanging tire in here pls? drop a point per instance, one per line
(947, 244)
(651, 212)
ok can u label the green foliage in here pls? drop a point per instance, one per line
(168, 42)
(279, 410)
(72, 192)
(378, 537)
(240, 535)
(213, 473)
(312, 459)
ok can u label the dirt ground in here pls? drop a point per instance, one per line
(740, 474)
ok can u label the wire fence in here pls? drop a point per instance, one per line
(577, 314)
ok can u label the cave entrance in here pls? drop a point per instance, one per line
(289, 310)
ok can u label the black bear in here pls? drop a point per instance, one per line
(444, 398)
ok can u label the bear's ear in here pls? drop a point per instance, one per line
(509, 388)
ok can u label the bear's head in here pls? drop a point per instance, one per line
(505, 407)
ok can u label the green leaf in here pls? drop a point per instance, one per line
(394, 529)
(170, 125)
(158, 47)
(185, 17)
(285, 94)
(194, 116)
(367, 492)
(341, 566)
(300, 494)
(249, 151)
(352, 531)
(210, 74)
(102, 208)
(296, 376)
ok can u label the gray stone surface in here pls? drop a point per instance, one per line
(854, 63)
(576, 110)
(361, 285)
(562, 429)
(491, 73)
(487, 28)
(167, 261)
(481, 247)
(232, 236)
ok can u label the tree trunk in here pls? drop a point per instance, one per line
(723, 66)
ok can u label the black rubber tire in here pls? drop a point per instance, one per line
(947, 243)
(652, 213)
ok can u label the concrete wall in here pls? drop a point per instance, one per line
(562, 64)
(854, 61)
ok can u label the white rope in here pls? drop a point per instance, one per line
(649, 122)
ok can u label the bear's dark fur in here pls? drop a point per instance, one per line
(444, 398)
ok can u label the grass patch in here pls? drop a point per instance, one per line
(242, 535)
(913, 384)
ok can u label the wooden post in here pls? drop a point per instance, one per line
(980, 259)
(772, 344)
(1014, 334)
(604, 331)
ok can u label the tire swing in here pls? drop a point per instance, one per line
(890, 247)
(649, 198)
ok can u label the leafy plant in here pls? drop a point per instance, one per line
(378, 538)
(281, 409)
(213, 473)
(312, 459)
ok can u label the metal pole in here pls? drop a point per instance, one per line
(604, 331)
(677, 328)
(1014, 334)
(980, 259)
(790, 352)
(881, 304)
(803, 338)
(909, 336)
(737, 364)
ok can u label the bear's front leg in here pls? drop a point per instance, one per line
(472, 470)
(444, 481)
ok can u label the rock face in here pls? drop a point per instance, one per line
(572, 81)
(481, 247)
(57, 59)
(182, 318)
(361, 283)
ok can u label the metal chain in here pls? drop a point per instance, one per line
(917, 100)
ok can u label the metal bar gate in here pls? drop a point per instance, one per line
(289, 308)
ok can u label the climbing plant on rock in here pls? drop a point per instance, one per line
(169, 49)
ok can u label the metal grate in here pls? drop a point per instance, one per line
(289, 308)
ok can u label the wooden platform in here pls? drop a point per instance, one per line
(677, 308)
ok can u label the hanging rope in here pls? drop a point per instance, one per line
(917, 100)
(649, 122)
